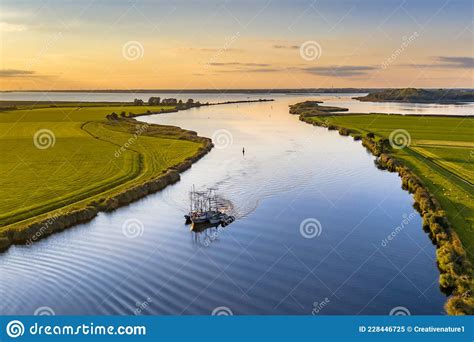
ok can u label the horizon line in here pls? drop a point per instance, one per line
(220, 90)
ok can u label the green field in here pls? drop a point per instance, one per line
(91, 157)
(441, 153)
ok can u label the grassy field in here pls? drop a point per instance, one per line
(71, 113)
(440, 153)
(91, 157)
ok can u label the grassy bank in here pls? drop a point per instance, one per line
(433, 157)
(62, 165)
(414, 95)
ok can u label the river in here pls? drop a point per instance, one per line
(313, 217)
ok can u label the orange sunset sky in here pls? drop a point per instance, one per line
(55, 45)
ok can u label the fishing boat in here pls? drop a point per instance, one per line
(205, 209)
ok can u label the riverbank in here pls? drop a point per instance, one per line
(424, 165)
(82, 164)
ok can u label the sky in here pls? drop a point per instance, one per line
(105, 44)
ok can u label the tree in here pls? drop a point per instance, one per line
(154, 101)
(169, 101)
(112, 116)
(138, 102)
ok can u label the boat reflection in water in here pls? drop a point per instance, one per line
(204, 234)
(201, 227)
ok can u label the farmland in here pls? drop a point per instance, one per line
(440, 154)
(66, 158)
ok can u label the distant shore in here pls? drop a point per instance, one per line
(413, 95)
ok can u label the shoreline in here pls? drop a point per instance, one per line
(420, 95)
(176, 107)
(36, 228)
(416, 101)
(455, 269)
(207, 104)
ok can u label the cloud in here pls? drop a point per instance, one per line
(279, 46)
(456, 62)
(253, 70)
(230, 67)
(209, 50)
(445, 62)
(6, 27)
(16, 73)
(240, 64)
(339, 71)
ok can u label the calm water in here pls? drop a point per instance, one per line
(262, 263)
(341, 100)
